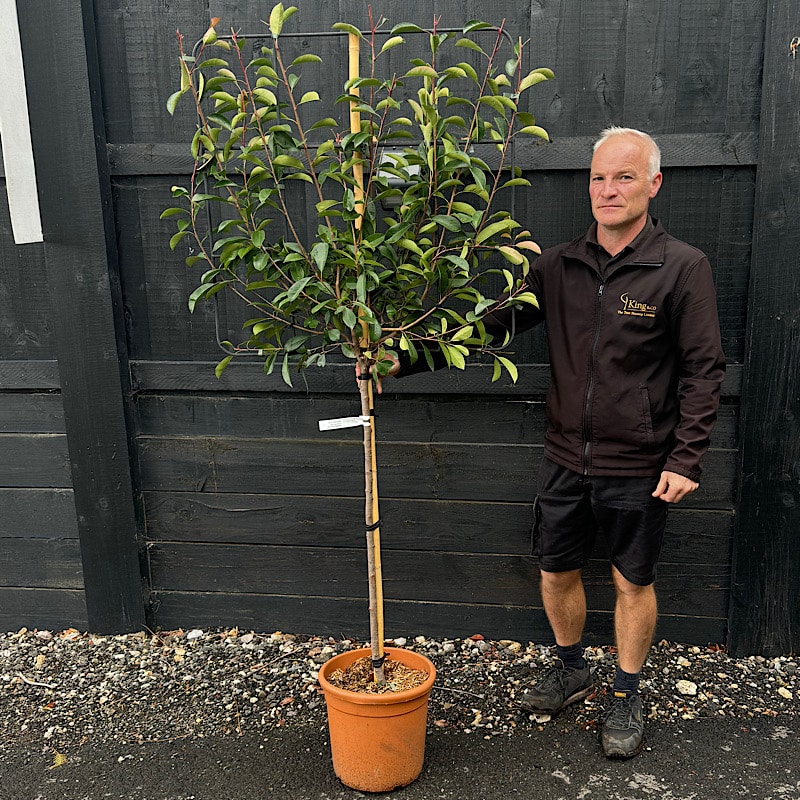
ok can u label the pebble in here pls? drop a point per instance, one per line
(58, 689)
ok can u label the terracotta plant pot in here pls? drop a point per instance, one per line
(377, 740)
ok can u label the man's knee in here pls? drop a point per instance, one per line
(560, 581)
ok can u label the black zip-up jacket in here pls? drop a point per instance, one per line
(635, 356)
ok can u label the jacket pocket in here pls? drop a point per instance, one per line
(647, 416)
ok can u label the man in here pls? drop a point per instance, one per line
(636, 366)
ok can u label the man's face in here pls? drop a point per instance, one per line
(619, 185)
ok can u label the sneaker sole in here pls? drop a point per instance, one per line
(571, 699)
(616, 752)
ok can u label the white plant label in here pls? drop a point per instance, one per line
(343, 422)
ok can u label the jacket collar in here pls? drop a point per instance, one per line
(648, 253)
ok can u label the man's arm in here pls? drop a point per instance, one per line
(702, 368)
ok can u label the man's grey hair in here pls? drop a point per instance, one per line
(653, 151)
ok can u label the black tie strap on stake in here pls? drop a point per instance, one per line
(364, 377)
(377, 663)
(374, 526)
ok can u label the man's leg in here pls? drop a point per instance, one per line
(565, 605)
(634, 624)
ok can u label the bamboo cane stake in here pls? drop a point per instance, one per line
(371, 511)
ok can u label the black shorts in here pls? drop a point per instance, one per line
(571, 508)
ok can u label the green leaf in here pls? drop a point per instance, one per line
(347, 28)
(406, 27)
(309, 97)
(276, 20)
(325, 205)
(528, 297)
(512, 255)
(410, 244)
(469, 69)
(393, 42)
(510, 366)
(463, 333)
(328, 122)
(532, 78)
(349, 318)
(516, 182)
(173, 242)
(285, 370)
(319, 254)
(423, 71)
(171, 212)
(213, 62)
(306, 58)
(201, 83)
(172, 100)
(476, 25)
(492, 100)
(470, 45)
(288, 161)
(497, 371)
(220, 368)
(535, 130)
(451, 223)
(265, 96)
(297, 287)
(496, 227)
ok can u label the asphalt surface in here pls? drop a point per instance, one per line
(701, 759)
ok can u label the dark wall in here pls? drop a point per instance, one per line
(247, 514)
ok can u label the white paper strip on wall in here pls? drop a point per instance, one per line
(15, 134)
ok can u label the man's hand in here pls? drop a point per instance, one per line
(672, 488)
(393, 370)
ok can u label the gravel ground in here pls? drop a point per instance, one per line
(62, 690)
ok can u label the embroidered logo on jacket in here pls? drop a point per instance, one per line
(635, 308)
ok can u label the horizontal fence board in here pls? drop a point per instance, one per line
(460, 418)
(45, 609)
(693, 536)
(34, 460)
(31, 413)
(477, 419)
(334, 467)
(343, 618)
(563, 153)
(29, 375)
(247, 375)
(41, 563)
(413, 575)
(45, 513)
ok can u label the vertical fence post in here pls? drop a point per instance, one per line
(62, 74)
(765, 597)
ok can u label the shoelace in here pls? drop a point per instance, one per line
(620, 715)
(554, 676)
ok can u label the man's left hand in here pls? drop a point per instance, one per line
(672, 488)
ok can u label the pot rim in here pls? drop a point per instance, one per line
(367, 698)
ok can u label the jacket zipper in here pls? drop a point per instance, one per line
(587, 428)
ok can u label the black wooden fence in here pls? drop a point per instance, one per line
(136, 488)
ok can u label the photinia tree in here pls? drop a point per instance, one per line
(413, 245)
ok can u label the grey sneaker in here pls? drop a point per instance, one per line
(623, 727)
(557, 688)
